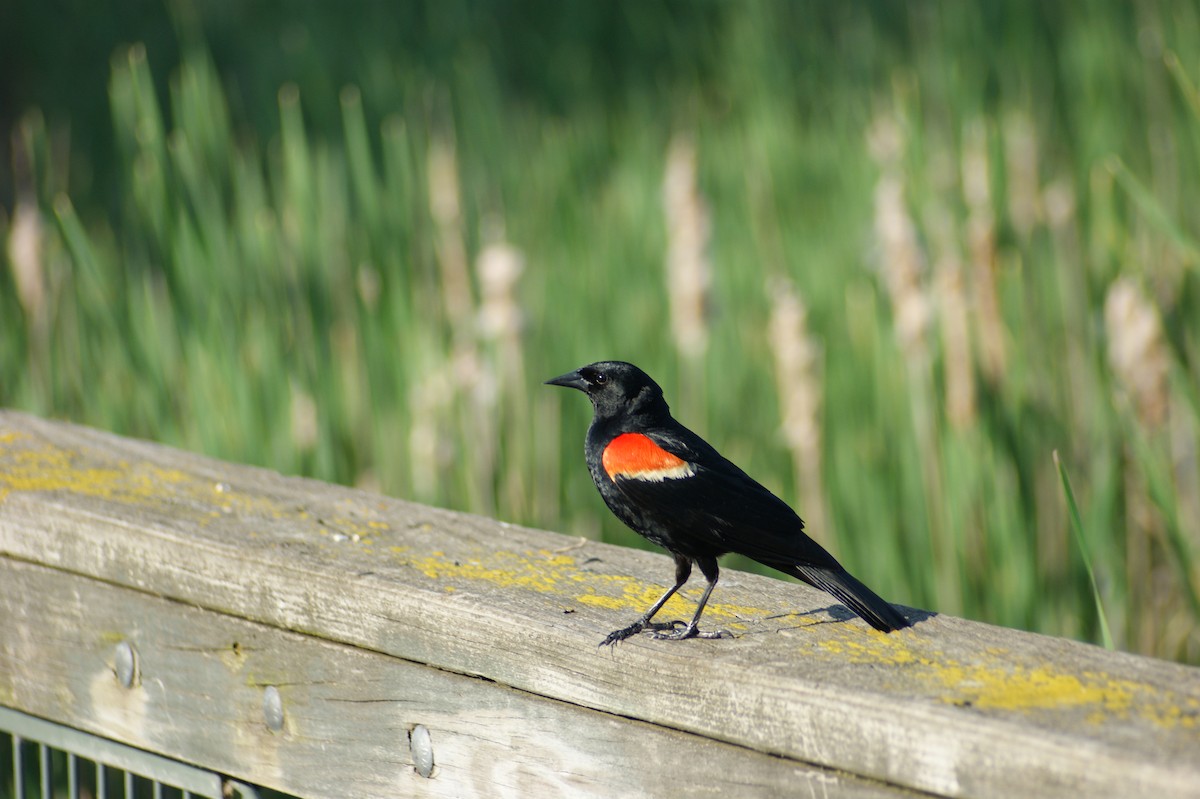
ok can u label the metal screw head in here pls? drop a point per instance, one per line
(422, 750)
(125, 663)
(273, 708)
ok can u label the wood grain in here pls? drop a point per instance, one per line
(347, 712)
(949, 707)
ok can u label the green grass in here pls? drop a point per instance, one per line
(1081, 544)
(261, 275)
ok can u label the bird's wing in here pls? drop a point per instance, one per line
(696, 492)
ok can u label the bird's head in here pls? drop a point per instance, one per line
(614, 387)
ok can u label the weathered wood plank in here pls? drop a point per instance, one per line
(949, 707)
(347, 712)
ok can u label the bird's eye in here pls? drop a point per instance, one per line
(599, 378)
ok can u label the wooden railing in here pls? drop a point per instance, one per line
(330, 642)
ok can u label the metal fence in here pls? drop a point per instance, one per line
(41, 759)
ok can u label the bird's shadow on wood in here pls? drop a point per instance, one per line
(838, 613)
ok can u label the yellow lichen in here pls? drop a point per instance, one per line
(39, 466)
(546, 572)
(998, 682)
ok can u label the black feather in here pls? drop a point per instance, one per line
(871, 607)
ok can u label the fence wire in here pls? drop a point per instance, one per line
(45, 760)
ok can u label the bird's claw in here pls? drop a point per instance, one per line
(663, 631)
(685, 631)
(677, 633)
(617, 636)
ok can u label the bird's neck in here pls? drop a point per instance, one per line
(606, 426)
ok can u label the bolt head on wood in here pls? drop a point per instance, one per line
(273, 708)
(125, 663)
(422, 750)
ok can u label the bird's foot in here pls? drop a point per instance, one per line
(616, 636)
(684, 631)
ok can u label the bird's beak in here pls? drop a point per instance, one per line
(570, 380)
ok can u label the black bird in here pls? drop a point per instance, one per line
(671, 487)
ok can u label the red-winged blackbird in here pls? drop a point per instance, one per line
(671, 487)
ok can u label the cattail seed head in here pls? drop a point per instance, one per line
(689, 273)
(1137, 350)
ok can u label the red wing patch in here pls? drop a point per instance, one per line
(636, 457)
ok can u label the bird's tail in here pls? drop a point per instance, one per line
(853, 594)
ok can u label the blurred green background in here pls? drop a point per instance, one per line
(888, 257)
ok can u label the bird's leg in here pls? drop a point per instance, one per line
(711, 571)
(683, 570)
